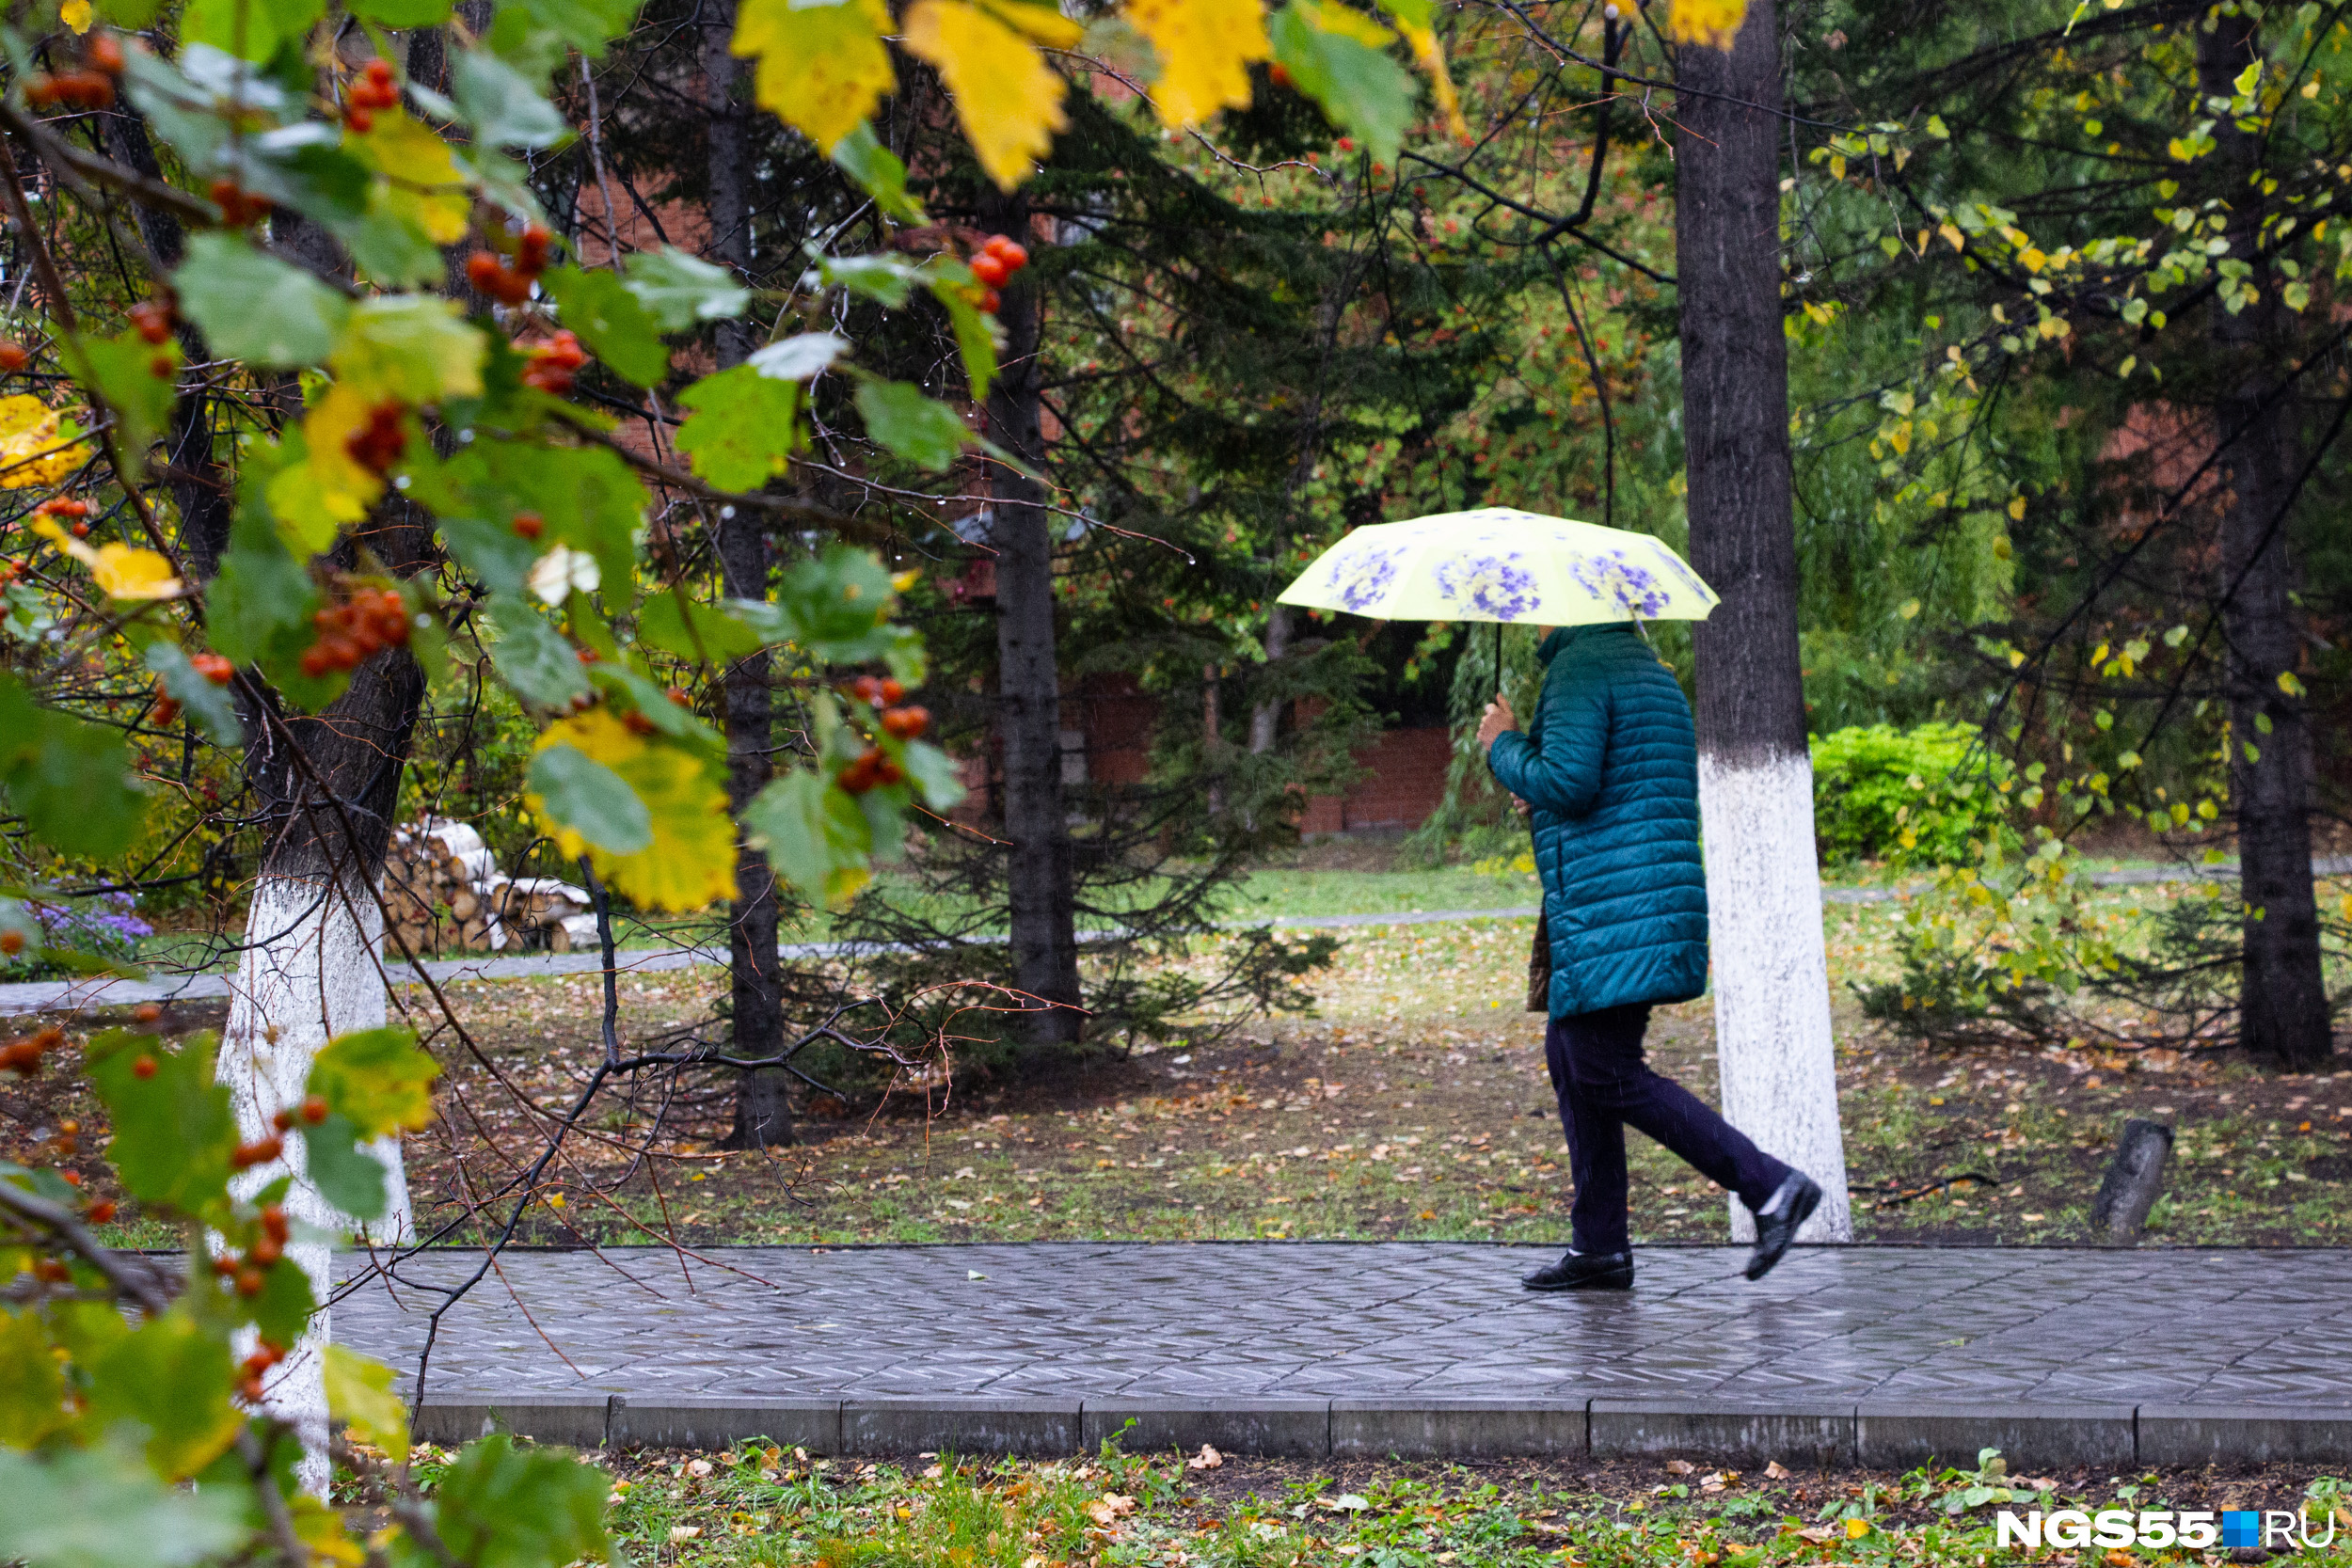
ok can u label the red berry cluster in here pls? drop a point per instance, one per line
(530, 525)
(883, 695)
(105, 53)
(998, 259)
(356, 630)
(22, 1056)
(377, 445)
(167, 709)
(213, 667)
(72, 89)
(75, 511)
(511, 285)
(314, 1111)
(250, 1273)
(261, 1151)
(870, 768)
(372, 89)
(153, 318)
(554, 363)
(239, 208)
(253, 1366)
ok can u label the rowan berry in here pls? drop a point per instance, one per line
(906, 723)
(105, 53)
(147, 1012)
(892, 689)
(990, 270)
(213, 667)
(11, 942)
(13, 356)
(314, 1110)
(100, 1211)
(153, 318)
(258, 1152)
(530, 524)
(1010, 253)
(991, 302)
(359, 120)
(377, 445)
(142, 1068)
(250, 1282)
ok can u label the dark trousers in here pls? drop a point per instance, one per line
(1604, 1088)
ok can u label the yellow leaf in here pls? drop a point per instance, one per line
(123, 570)
(822, 67)
(1713, 22)
(331, 485)
(359, 1394)
(2017, 506)
(1952, 235)
(79, 14)
(1205, 47)
(2033, 258)
(31, 452)
(415, 348)
(690, 861)
(321, 1528)
(425, 185)
(1007, 97)
(1432, 61)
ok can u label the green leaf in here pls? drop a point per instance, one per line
(975, 335)
(173, 1128)
(503, 1507)
(924, 431)
(618, 330)
(381, 1079)
(504, 107)
(210, 706)
(256, 308)
(131, 15)
(172, 1378)
(701, 632)
(933, 773)
(250, 29)
(887, 280)
(334, 1156)
(800, 356)
(679, 289)
(123, 367)
(360, 1395)
(283, 1308)
(261, 597)
(416, 347)
(744, 428)
(653, 703)
(587, 25)
(1335, 55)
(836, 609)
(69, 779)
(585, 496)
(101, 1508)
(879, 172)
(585, 796)
(391, 248)
(32, 1389)
(815, 836)
(534, 657)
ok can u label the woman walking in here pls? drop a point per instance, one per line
(1610, 769)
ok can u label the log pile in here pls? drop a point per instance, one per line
(443, 893)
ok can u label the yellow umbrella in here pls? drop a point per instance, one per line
(1497, 564)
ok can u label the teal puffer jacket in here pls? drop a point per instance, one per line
(1610, 765)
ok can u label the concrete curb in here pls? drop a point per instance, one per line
(1878, 1435)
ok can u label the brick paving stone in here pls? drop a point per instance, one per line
(1379, 1319)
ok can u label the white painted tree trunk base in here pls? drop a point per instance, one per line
(1772, 1031)
(310, 973)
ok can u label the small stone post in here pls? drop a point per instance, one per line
(2133, 1179)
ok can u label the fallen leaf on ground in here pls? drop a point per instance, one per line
(1109, 1506)
(1680, 1467)
(1775, 1471)
(1207, 1458)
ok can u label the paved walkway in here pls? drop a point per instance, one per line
(2080, 1336)
(106, 990)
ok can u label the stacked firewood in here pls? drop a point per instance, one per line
(443, 892)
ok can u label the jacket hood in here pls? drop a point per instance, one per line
(1562, 637)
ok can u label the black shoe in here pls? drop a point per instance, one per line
(1579, 1271)
(1799, 1196)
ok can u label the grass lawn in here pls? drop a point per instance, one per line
(759, 1505)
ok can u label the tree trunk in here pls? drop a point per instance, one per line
(1779, 1059)
(326, 787)
(763, 1111)
(1039, 876)
(2283, 1007)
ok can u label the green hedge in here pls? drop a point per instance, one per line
(1928, 796)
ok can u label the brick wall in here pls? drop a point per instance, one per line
(1403, 782)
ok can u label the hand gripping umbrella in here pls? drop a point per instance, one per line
(1497, 564)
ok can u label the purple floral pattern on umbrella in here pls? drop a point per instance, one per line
(1613, 577)
(1364, 577)
(1495, 585)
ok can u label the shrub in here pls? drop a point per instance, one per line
(1918, 796)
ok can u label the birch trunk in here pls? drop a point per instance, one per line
(1773, 1028)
